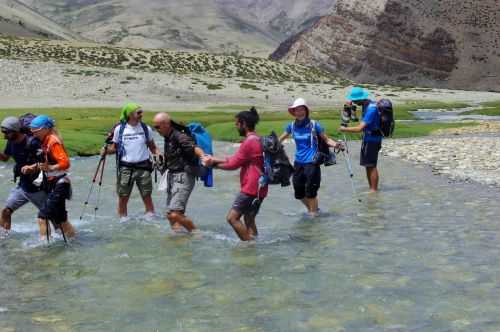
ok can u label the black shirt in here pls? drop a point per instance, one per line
(179, 151)
(24, 153)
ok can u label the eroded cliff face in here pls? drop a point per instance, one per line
(452, 44)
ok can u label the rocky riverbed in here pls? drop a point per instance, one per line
(466, 154)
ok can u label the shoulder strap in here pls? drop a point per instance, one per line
(314, 134)
(121, 148)
(146, 131)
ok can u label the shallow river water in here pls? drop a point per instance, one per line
(422, 255)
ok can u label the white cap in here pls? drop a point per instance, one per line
(299, 102)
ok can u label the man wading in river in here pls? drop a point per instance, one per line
(181, 156)
(372, 137)
(23, 149)
(131, 141)
(249, 159)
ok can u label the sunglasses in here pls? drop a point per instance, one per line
(139, 112)
(6, 131)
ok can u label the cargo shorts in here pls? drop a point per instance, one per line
(179, 188)
(128, 176)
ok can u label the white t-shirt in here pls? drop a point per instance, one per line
(134, 142)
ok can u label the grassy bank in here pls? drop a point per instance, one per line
(84, 130)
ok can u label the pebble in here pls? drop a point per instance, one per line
(467, 158)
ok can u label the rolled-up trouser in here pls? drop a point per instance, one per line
(54, 208)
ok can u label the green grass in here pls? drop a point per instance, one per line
(84, 130)
(490, 108)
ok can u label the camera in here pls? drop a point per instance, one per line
(348, 114)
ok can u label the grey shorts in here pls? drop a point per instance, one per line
(247, 205)
(128, 176)
(179, 188)
(18, 197)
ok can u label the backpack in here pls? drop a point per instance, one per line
(323, 156)
(277, 166)
(25, 121)
(203, 140)
(387, 122)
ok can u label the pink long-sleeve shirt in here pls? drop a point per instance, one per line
(249, 158)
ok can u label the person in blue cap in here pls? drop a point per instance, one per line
(55, 165)
(372, 136)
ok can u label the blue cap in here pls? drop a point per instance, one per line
(358, 93)
(42, 121)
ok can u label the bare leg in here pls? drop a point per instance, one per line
(372, 176)
(311, 205)
(233, 218)
(177, 220)
(68, 229)
(251, 226)
(122, 205)
(5, 218)
(148, 204)
(44, 229)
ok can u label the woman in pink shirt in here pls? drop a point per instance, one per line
(249, 158)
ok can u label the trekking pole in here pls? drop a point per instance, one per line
(347, 158)
(92, 184)
(98, 200)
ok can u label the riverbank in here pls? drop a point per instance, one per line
(464, 154)
(84, 129)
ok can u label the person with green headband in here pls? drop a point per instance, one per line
(132, 142)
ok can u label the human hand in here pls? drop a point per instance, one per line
(28, 169)
(44, 167)
(207, 160)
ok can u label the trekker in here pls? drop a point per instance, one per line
(307, 172)
(180, 155)
(132, 142)
(249, 158)
(55, 163)
(372, 137)
(23, 149)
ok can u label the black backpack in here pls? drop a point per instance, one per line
(25, 121)
(277, 166)
(387, 122)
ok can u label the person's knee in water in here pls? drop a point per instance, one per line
(306, 134)
(132, 142)
(372, 136)
(180, 168)
(249, 160)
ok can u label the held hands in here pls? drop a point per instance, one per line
(207, 160)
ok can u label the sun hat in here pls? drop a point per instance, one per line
(358, 93)
(297, 103)
(128, 109)
(42, 121)
(11, 123)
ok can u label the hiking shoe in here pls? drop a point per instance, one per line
(124, 219)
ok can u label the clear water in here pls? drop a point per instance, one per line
(423, 255)
(454, 115)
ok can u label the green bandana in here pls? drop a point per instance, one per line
(128, 109)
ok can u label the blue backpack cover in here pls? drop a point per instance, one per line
(204, 141)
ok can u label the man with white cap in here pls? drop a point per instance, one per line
(23, 149)
(372, 136)
(307, 172)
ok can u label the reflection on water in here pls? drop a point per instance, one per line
(422, 255)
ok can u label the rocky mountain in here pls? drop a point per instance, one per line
(18, 20)
(251, 27)
(447, 43)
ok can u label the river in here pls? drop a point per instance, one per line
(421, 255)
